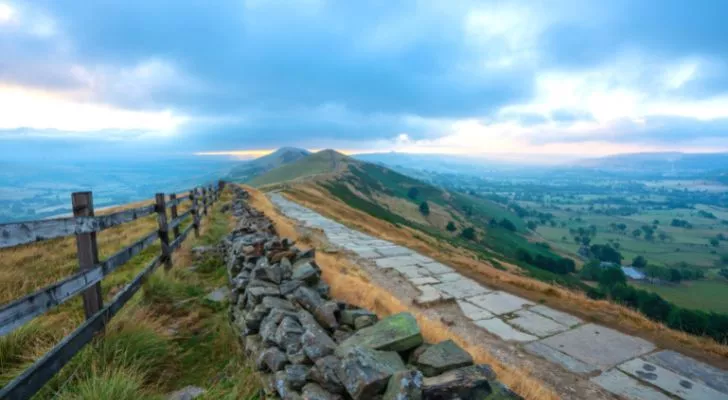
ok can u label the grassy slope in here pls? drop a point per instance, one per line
(482, 269)
(165, 338)
(709, 295)
(323, 162)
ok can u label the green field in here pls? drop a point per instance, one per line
(708, 295)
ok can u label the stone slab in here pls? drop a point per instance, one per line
(392, 251)
(669, 381)
(690, 368)
(392, 262)
(472, 311)
(599, 346)
(412, 271)
(499, 302)
(504, 331)
(451, 277)
(427, 280)
(429, 295)
(462, 288)
(558, 316)
(422, 259)
(622, 385)
(557, 357)
(218, 295)
(436, 268)
(536, 324)
(371, 255)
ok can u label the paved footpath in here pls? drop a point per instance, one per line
(625, 365)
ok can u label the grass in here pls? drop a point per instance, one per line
(513, 280)
(165, 338)
(709, 295)
(318, 163)
(350, 284)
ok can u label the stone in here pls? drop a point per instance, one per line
(276, 302)
(187, 393)
(423, 281)
(288, 334)
(404, 385)
(412, 271)
(504, 331)
(622, 385)
(462, 288)
(253, 344)
(256, 293)
(364, 321)
(450, 277)
(306, 271)
(598, 346)
(428, 295)
(436, 268)
(558, 316)
(536, 324)
(219, 295)
(283, 387)
(272, 358)
(442, 357)
(347, 316)
(471, 382)
(394, 262)
(557, 357)
(286, 266)
(297, 356)
(325, 315)
(317, 345)
(308, 298)
(499, 303)
(297, 375)
(340, 335)
(274, 273)
(288, 287)
(323, 289)
(472, 311)
(391, 251)
(325, 374)
(690, 368)
(313, 391)
(365, 372)
(398, 332)
(670, 382)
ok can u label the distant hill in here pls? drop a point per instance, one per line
(322, 162)
(660, 162)
(247, 170)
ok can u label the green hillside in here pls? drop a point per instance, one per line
(323, 162)
(248, 170)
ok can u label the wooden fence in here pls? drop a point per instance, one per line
(87, 281)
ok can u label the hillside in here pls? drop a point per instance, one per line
(490, 229)
(250, 169)
(322, 162)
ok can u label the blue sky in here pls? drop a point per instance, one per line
(534, 78)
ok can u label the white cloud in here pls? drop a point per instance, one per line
(28, 108)
(6, 13)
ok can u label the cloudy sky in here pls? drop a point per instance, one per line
(481, 77)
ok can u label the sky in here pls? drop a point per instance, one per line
(82, 79)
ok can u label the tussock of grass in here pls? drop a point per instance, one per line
(348, 283)
(118, 384)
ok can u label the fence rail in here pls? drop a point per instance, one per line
(87, 282)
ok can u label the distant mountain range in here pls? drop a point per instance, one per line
(660, 162)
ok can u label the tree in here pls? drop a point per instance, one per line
(451, 227)
(622, 227)
(714, 242)
(468, 233)
(507, 224)
(639, 262)
(532, 225)
(591, 271)
(606, 253)
(723, 272)
(636, 233)
(425, 208)
(413, 193)
(663, 236)
(612, 276)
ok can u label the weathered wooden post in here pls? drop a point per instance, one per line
(161, 207)
(195, 212)
(204, 200)
(173, 213)
(87, 251)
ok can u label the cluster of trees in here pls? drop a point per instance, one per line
(723, 272)
(673, 274)
(681, 223)
(504, 223)
(424, 208)
(559, 265)
(606, 253)
(706, 214)
(612, 284)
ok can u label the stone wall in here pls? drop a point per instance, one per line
(309, 346)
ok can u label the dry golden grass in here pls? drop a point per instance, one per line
(605, 312)
(350, 284)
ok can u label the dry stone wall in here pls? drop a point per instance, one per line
(307, 345)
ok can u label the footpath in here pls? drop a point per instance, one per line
(597, 360)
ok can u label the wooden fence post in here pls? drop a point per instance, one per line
(163, 230)
(195, 212)
(173, 213)
(87, 251)
(204, 200)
